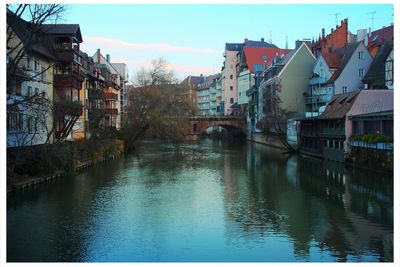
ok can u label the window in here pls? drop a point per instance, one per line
(29, 124)
(43, 75)
(361, 55)
(344, 89)
(240, 94)
(36, 65)
(36, 124)
(231, 88)
(36, 91)
(14, 122)
(29, 91)
(361, 73)
(231, 100)
(231, 77)
(28, 63)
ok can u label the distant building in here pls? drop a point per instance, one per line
(380, 73)
(114, 85)
(287, 79)
(232, 68)
(189, 86)
(336, 72)
(205, 91)
(338, 38)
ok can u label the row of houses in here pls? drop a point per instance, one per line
(337, 80)
(54, 89)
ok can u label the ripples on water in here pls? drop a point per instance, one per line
(206, 202)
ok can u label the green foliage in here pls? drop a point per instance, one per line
(372, 138)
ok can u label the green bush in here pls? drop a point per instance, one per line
(372, 138)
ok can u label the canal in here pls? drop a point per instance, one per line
(210, 201)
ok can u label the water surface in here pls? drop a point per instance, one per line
(211, 201)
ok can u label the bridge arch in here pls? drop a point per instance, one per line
(198, 125)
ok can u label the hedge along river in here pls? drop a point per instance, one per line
(208, 201)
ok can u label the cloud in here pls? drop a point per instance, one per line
(168, 48)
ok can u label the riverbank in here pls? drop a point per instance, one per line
(260, 138)
(85, 155)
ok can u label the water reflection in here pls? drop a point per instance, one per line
(214, 201)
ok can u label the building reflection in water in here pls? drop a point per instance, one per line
(317, 204)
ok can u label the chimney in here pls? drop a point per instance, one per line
(108, 57)
(323, 32)
(369, 32)
(262, 39)
(246, 40)
(98, 56)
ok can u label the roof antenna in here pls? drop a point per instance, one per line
(336, 16)
(270, 37)
(286, 47)
(372, 19)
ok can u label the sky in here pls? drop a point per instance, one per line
(192, 37)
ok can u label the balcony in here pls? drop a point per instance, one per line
(204, 100)
(110, 96)
(316, 99)
(332, 131)
(379, 146)
(318, 80)
(111, 111)
(68, 80)
(67, 107)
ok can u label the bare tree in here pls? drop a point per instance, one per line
(24, 23)
(157, 107)
(157, 74)
(276, 117)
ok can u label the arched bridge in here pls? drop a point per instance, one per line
(198, 125)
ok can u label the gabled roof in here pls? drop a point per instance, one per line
(344, 54)
(254, 55)
(21, 28)
(375, 76)
(67, 29)
(339, 105)
(333, 60)
(193, 81)
(288, 57)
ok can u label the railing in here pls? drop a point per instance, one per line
(203, 93)
(203, 100)
(111, 111)
(316, 99)
(333, 131)
(379, 146)
(110, 96)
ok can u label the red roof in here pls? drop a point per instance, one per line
(333, 60)
(254, 55)
(384, 33)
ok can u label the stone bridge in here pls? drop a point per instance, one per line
(198, 125)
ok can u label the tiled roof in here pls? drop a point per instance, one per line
(375, 76)
(233, 46)
(344, 54)
(259, 44)
(70, 29)
(333, 60)
(254, 55)
(339, 105)
(384, 33)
